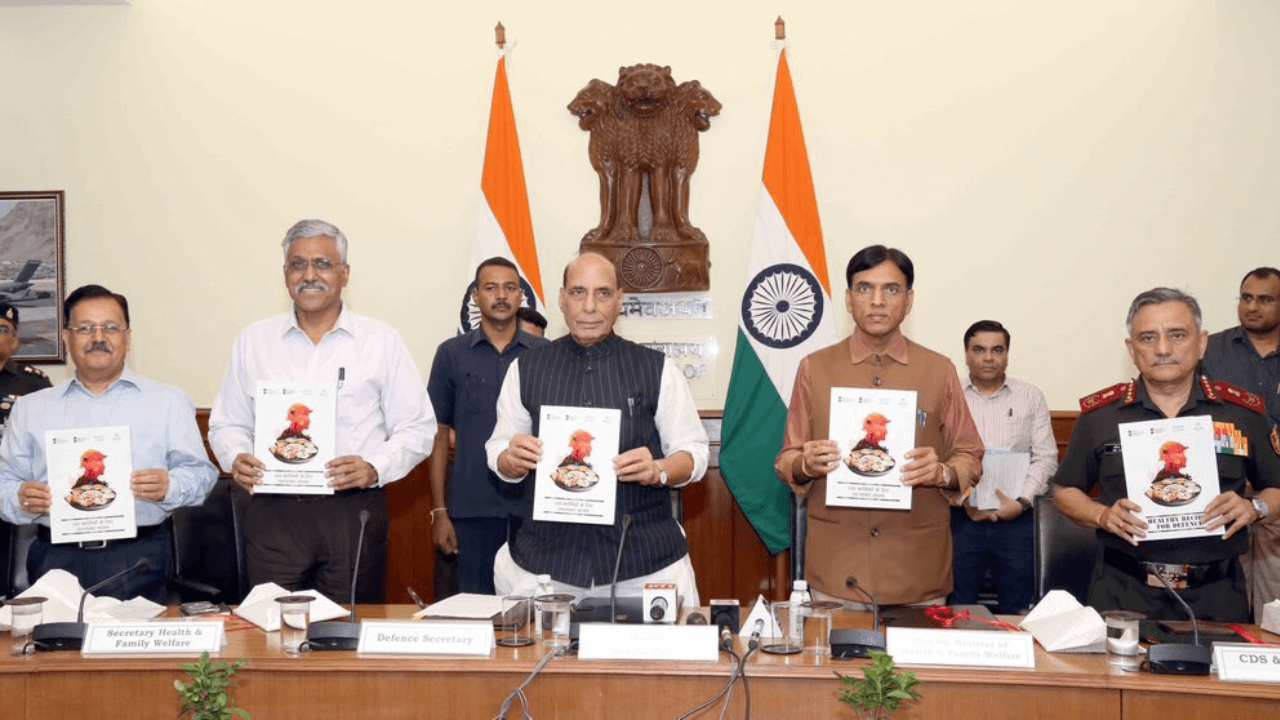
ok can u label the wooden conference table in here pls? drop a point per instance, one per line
(275, 686)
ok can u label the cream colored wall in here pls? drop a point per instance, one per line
(1041, 162)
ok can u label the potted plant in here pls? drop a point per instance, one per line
(207, 697)
(880, 691)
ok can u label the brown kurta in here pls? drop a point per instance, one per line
(900, 557)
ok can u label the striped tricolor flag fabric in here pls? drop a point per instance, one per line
(505, 228)
(785, 315)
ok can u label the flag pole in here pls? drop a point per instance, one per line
(779, 29)
(500, 35)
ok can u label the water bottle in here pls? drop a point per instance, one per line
(544, 588)
(799, 596)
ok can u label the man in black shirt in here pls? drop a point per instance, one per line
(16, 379)
(1166, 343)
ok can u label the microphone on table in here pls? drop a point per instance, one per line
(70, 635)
(846, 644)
(1179, 658)
(754, 642)
(617, 565)
(341, 635)
(726, 637)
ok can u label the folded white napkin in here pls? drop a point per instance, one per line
(63, 592)
(1271, 617)
(1061, 624)
(261, 608)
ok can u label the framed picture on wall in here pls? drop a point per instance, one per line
(33, 270)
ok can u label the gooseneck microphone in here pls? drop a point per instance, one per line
(342, 635)
(617, 565)
(1179, 658)
(847, 644)
(70, 636)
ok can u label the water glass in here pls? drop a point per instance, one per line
(295, 620)
(517, 621)
(1122, 636)
(817, 626)
(556, 606)
(27, 613)
(789, 637)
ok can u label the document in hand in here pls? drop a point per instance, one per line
(294, 433)
(261, 608)
(874, 429)
(1061, 624)
(1171, 471)
(62, 592)
(89, 474)
(575, 481)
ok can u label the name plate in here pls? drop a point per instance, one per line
(607, 641)
(412, 637)
(1243, 662)
(972, 648)
(153, 636)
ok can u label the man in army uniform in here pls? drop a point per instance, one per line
(1166, 343)
(16, 379)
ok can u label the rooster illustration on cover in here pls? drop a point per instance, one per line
(294, 445)
(869, 456)
(574, 473)
(90, 491)
(1172, 485)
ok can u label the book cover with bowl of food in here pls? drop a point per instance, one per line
(294, 434)
(1171, 471)
(89, 471)
(575, 481)
(874, 429)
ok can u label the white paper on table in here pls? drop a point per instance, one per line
(1271, 617)
(97, 456)
(558, 427)
(62, 594)
(468, 606)
(853, 412)
(1002, 470)
(282, 409)
(1145, 446)
(760, 611)
(261, 609)
(1061, 624)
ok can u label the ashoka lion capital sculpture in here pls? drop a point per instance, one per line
(646, 128)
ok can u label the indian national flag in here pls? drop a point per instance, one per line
(504, 228)
(786, 314)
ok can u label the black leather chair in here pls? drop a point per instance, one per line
(1065, 552)
(208, 547)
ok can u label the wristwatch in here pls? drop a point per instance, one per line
(1025, 503)
(1261, 508)
(662, 474)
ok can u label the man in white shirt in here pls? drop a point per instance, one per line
(1013, 419)
(385, 424)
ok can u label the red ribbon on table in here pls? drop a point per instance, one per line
(946, 617)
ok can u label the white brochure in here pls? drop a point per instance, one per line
(1003, 470)
(874, 429)
(1171, 470)
(575, 481)
(294, 435)
(89, 474)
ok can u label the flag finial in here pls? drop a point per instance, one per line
(780, 29)
(500, 36)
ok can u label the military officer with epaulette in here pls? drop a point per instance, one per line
(16, 379)
(1166, 343)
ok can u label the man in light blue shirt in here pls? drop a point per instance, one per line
(171, 466)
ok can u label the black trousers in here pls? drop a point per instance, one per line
(1223, 600)
(306, 542)
(92, 566)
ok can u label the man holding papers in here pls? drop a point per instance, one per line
(107, 401)
(995, 528)
(1170, 453)
(898, 555)
(302, 528)
(631, 432)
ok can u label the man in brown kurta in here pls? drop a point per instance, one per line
(898, 556)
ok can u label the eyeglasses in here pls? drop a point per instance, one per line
(322, 265)
(1263, 300)
(110, 329)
